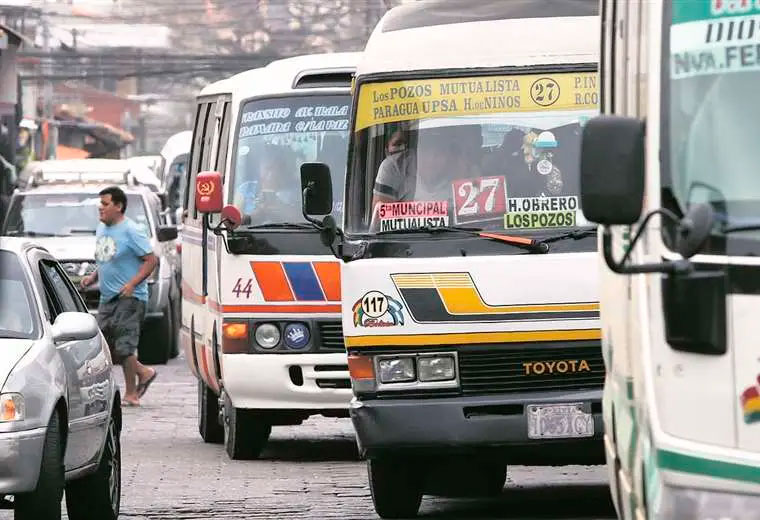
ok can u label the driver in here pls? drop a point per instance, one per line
(278, 197)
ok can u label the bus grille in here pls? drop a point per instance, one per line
(500, 370)
(331, 333)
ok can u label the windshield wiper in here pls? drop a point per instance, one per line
(752, 226)
(12, 334)
(575, 234)
(81, 231)
(530, 244)
(429, 229)
(32, 234)
(284, 225)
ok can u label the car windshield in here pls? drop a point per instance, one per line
(275, 137)
(495, 152)
(65, 214)
(17, 319)
(712, 115)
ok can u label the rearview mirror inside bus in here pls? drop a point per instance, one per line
(316, 186)
(612, 170)
(208, 192)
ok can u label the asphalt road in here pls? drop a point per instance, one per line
(307, 471)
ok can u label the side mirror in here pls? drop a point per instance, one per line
(231, 217)
(612, 170)
(694, 229)
(74, 326)
(316, 186)
(166, 233)
(208, 192)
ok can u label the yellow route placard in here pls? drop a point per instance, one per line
(406, 100)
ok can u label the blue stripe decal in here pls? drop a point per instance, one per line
(303, 279)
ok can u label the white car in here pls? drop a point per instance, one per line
(60, 414)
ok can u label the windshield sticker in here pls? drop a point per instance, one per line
(376, 309)
(477, 200)
(395, 216)
(714, 40)
(395, 101)
(304, 119)
(536, 204)
(750, 401)
(539, 220)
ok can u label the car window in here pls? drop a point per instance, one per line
(18, 316)
(65, 299)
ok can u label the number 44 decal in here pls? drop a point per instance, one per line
(243, 289)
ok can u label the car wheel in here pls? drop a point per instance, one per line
(208, 415)
(245, 432)
(99, 495)
(44, 503)
(395, 486)
(156, 339)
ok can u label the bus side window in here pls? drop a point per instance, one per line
(199, 150)
(221, 156)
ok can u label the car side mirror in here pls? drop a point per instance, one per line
(166, 233)
(316, 187)
(208, 192)
(612, 170)
(74, 326)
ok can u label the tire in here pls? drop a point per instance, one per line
(494, 477)
(208, 415)
(245, 432)
(396, 488)
(156, 339)
(176, 314)
(99, 495)
(44, 503)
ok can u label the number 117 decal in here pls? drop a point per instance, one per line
(476, 200)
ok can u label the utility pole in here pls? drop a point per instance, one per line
(48, 113)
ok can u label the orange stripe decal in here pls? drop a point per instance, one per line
(329, 277)
(287, 309)
(271, 279)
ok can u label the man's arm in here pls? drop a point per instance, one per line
(88, 280)
(149, 262)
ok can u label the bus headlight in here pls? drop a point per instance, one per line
(699, 504)
(267, 335)
(437, 368)
(396, 370)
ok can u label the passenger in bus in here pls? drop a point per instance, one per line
(425, 169)
(516, 161)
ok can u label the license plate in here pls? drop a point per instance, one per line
(559, 421)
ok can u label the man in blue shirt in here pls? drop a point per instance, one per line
(125, 260)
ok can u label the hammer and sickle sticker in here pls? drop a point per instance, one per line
(205, 188)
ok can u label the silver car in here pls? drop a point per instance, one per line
(60, 414)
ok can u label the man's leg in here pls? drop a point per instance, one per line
(130, 318)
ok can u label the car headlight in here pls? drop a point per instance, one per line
(11, 407)
(296, 335)
(267, 335)
(438, 368)
(396, 370)
(698, 504)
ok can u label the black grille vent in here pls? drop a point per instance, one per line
(331, 333)
(491, 371)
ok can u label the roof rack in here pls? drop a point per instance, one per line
(77, 172)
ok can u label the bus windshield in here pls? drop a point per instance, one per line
(491, 152)
(275, 136)
(712, 116)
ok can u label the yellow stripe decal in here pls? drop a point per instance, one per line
(469, 338)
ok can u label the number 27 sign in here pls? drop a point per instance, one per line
(475, 200)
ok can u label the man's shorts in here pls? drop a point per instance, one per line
(121, 321)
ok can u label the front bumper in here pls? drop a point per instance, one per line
(20, 460)
(473, 424)
(270, 381)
